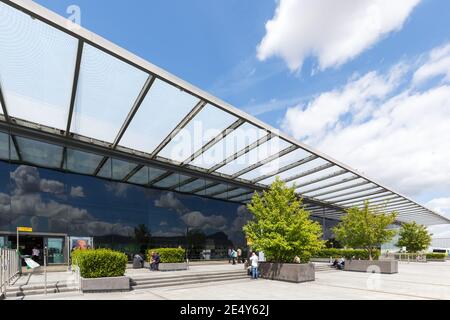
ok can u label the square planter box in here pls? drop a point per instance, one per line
(105, 284)
(376, 266)
(173, 266)
(291, 272)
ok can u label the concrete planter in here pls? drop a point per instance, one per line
(376, 266)
(290, 272)
(105, 284)
(173, 266)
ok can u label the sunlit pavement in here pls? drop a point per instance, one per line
(414, 281)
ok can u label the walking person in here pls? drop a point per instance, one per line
(254, 263)
(229, 255)
(234, 255)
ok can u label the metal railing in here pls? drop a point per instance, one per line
(10, 268)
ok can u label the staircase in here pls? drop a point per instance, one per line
(321, 267)
(39, 289)
(159, 280)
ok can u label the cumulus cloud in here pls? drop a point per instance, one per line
(118, 189)
(197, 220)
(77, 192)
(333, 31)
(441, 205)
(169, 201)
(27, 180)
(402, 139)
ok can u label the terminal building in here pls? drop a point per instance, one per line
(100, 148)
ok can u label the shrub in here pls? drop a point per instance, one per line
(436, 256)
(168, 255)
(347, 254)
(100, 263)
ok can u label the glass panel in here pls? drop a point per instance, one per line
(316, 175)
(231, 194)
(276, 164)
(233, 142)
(242, 198)
(330, 189)
(324, 182)
(199, 183)
(155, 173)
(82, 162)
(106, 170)
(355, 195)
(55, 250)
(297, 170)
(171, 181)
(140, 177)
(258, 154)
(120, 169)
(37, 64)
(161, 111)
(107, 89)
(209, 123)
(350, 189)
(359, 201)
(4, 146)
(216, 189)
(40, 153)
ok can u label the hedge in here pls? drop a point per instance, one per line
(168, 255)
(346, 253)
(100, 263)
(436, 256)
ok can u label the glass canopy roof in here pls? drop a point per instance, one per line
(73, 101)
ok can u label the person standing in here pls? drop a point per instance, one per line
(239, 255)
(229, 255)
(234, 255)
(35, 254)
(254, 263)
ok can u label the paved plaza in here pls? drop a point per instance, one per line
(414, 281)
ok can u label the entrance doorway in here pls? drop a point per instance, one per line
(26, 245)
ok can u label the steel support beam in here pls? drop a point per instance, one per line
(335, 174)
(329, 185)
(76, 76)
(338, 189)
(132, 172)
(309, 172)
(240, 153)
(183, 123)
(265, 161)
(182, 183)
(368, 196)
(161, 177)
(134, 109)
(360, 203)
(100, 165)
(349, 193)
(3, 103)
(221, 136)
(285, 168)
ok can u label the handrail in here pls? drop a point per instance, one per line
(9, 268)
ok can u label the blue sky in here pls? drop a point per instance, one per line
(320, 72)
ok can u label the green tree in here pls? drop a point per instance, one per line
(414, 237)
(281, 227)
(365, 228)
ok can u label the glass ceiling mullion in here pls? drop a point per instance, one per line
(349, 193)
(147, 85)
(161, 177)
(285, 168)
(372, 195)
(183, 123)
(181, 184)
(382, 202)
(330, 185)
(16, 146)
(265, 161)
(3, 103)
(242, 152)
(132, 172)
(381, 199)
(402, 206)
(214, 141)
(307, 173)
(242, 194)
(338, 189)
(206, 187)
(100, 165)
(76, 77)
(223, 192)
(332, 175)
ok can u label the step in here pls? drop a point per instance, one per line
(41, 286)
(10, 294)
(181, 283)
(159, 276)
(191, 278)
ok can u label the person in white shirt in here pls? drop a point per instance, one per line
(35, 254)
(254, 263)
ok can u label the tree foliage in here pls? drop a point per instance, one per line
(281, 227)
(365, 228)
(414, 237)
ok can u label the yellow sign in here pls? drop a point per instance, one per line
(24, 229)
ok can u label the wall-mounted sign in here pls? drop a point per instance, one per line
(24, 229)
(82, 243)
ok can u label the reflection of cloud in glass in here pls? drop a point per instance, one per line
(196, 219)
(169, 201)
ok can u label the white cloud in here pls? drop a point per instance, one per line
(402, 138)
(438, 64)
(77, 192)
(196, 219)
(333, 31)
(169, 201)
(440, 205)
